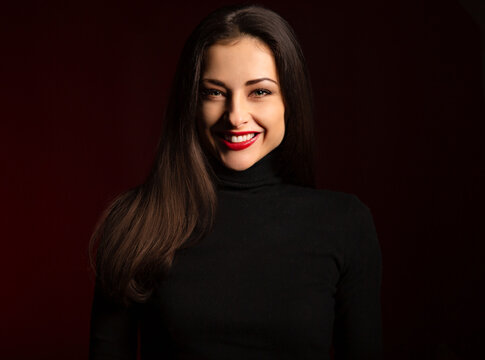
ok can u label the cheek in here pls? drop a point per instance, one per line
(210, 114)
(274, 118)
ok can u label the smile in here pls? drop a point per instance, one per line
(239, 142)
(238, 139)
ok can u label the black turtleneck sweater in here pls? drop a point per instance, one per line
(287, 272)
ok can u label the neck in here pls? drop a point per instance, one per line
(263, 173)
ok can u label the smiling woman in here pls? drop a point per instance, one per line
(241, 106)
(227, 250)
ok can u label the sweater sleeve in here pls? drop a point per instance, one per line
(357, 325)
(113, 329)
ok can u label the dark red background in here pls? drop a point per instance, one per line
(400, 123)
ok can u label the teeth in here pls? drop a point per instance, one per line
(237, 139)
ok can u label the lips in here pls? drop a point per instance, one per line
(229, 140)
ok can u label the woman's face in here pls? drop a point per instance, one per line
(241, 114)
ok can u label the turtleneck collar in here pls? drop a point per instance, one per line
(264, 172)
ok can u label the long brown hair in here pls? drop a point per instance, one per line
(136, 239)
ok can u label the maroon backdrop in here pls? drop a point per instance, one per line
(400, 112)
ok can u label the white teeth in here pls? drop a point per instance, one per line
(237, 139)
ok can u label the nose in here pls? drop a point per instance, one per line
(237, 110)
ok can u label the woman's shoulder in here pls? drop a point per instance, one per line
(335, 201)
(350, 216)
(340, 210)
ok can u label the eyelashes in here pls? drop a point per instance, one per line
(210, 92)
(261, 92)
(206, 92)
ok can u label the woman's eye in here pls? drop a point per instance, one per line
(261, 92)
(215, 92)
(211, 92)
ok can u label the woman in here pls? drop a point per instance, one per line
(227, 251)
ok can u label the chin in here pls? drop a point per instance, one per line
(238, 162)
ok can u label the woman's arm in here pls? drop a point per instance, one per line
(114, 329)
(357, 326)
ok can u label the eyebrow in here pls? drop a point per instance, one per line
(249, 82)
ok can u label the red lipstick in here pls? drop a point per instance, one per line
(239, 145)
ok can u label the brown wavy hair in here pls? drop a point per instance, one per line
(136, 238)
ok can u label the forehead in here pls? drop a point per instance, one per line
(240, 60)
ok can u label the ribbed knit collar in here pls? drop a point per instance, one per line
(263, 172)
